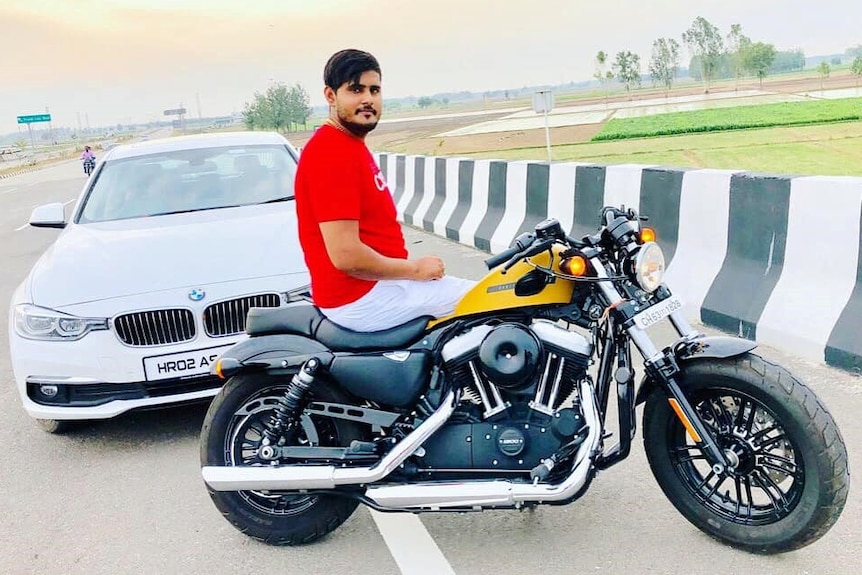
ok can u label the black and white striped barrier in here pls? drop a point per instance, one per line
(771, 258)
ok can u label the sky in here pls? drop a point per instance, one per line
(104, 62)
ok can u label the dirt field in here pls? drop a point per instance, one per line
(422, 136)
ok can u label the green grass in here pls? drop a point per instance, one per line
(828, 149)
(740, 117)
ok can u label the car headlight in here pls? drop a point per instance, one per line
(34, 322)
(649, 267)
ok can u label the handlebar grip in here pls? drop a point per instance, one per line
(503, 256)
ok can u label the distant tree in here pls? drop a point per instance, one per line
(277, 109)
(445, 101)
(823, 70)
(757, 58)
(664, 62)
(424, 102)
(602, 74)
(856, 68)
(627, 69)
(704, 40)
(836, 61)
(737, 42)
(854, 51)
(788, 61)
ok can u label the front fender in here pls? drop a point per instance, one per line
(711, 347)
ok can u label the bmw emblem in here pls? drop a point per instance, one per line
(197, 294)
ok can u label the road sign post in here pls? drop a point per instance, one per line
(181, 113)
(543, 102)
(31, 119)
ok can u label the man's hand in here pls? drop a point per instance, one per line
(429, 268)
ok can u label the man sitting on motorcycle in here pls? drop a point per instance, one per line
(361, 276)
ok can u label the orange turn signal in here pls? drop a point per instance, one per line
(647, 235)
(218, 370)
(574, 266)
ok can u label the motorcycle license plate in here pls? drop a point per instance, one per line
(652, 315)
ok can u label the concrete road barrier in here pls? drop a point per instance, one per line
(770, 258)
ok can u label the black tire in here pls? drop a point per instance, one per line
(56, 427)
(276, 518)
(792, 477)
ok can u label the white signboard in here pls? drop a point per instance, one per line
(543, 101)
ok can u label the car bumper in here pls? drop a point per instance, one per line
(97, 377)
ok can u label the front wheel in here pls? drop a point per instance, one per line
(790, 478)
(231, 435)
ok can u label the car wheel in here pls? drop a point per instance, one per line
(54, 426)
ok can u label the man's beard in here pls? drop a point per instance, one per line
(356, 128)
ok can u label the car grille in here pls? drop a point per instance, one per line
(158, 327)
(228, 317)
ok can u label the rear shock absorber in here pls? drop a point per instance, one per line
(284, 416)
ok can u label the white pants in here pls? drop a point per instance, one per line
(394, 302)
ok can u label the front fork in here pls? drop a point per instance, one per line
(662, 368)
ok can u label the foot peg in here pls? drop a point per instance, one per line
(362, 448)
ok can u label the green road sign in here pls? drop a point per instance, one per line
(32, 119)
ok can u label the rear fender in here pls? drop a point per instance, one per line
(713, 347)
(270, 352)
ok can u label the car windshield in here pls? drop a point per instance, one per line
(188, 181)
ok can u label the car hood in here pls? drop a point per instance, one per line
(106, 260)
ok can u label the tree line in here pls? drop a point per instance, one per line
(712, 56)
(280, 108)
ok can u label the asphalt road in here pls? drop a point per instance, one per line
(125, 496)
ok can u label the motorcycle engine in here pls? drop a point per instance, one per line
(510, 363)
(518, 400)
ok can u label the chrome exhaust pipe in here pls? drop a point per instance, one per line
(499, 493)
(297, 477)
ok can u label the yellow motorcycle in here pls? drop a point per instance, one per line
(504, 405)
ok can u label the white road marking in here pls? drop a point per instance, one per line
(410, 544)
(9, 191)
(22, 227)
(69, 202)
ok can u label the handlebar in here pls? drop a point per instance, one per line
(521, 243)
(503, 256)
(531, 251)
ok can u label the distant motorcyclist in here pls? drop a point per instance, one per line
(89, 160)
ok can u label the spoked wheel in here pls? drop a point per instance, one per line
(232, 434)
(788, 479)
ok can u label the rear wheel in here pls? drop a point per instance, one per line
(231, 435)
(790, 476)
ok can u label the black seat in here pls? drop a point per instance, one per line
(308, 321)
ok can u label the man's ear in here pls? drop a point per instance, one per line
(329, 94)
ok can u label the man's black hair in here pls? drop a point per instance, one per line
(347, 66)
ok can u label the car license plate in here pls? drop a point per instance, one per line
(652, 315)
(184, 364)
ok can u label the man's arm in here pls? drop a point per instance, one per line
(351, 256)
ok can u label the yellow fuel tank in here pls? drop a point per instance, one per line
(496, 291)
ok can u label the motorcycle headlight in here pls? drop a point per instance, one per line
(649, 267)
(34, 322)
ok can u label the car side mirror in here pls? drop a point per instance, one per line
(49, 216)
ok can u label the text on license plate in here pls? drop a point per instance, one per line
(182, 364)
(651, 316)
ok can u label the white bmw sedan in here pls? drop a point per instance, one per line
(168, 246)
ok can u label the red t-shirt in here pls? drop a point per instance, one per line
(338, 179)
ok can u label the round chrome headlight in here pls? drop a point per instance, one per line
(649, 267)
